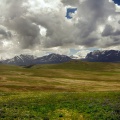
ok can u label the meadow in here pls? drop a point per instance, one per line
(69, 91)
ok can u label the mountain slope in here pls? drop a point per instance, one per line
(51, 59)
(25, 60)
(103, 56)
(20, 60)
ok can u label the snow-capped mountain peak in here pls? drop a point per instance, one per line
(20, 60)
(25, 60)
(104, 56)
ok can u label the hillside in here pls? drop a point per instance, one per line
(71, 91)
(71, 76)
(83, 66)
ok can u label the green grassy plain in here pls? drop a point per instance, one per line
(69, 91)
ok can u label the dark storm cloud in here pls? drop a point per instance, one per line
(110, 31)
(114, 41)
(4, 34)
(27, 31)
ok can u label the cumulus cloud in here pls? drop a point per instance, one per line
(41, 25)
(71, 2)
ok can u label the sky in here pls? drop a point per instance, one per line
(117, 2)
(69, 27)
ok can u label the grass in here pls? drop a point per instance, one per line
(60, 106)
(67, 77)
(69, 91)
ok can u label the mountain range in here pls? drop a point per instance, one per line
(26, 60)
(95, 56)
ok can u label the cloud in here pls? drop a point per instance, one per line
(71, 2)
(82, 53)
(95, 24)
(4, 34)
(110, 31)
(27, 32)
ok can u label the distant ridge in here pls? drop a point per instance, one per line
(52, 59)
(103, 56)
(20, 60)
(95, 56)
(25, 60)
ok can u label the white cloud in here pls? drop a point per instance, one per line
(82, 53)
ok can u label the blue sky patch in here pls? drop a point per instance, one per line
(69, 11)
(117, 2)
